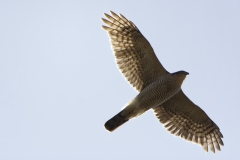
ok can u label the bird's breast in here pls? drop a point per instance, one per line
(158, 92)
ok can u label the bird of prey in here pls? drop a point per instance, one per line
(158, 89)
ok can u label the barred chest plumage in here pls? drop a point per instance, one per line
(156, 94)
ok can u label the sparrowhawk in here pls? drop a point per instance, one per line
(158, 89)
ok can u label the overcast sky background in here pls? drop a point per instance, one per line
(59, 82)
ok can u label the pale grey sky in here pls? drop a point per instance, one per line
(59, 83)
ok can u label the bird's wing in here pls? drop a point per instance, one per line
(183, 118)
(134, 55)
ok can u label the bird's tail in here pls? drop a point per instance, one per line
(115, 122)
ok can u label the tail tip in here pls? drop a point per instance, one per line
(111, 125)
(108, 126)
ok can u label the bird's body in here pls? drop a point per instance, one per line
(152, 96)
(158, 89)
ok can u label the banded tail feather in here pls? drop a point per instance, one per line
(115, 122)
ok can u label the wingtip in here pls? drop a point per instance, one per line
(111, 12)
(222, 144)
(212, 149)
(106, 15)
(103, 20)
(106, 28)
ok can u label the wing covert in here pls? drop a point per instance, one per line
(134, 55)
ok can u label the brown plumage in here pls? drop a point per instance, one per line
(134, 55)
(158, 89)
(182, 117)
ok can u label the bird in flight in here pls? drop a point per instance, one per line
(158, 89)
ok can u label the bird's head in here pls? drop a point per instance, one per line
(180, 75)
